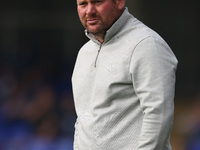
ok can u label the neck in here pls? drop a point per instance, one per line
(100, 37)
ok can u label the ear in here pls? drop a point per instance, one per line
(120, 4)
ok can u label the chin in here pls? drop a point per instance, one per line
(93, 31)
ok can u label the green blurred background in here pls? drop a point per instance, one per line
(39, 42)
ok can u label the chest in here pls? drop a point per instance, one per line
(103, 64)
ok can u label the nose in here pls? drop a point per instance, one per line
(90, 9)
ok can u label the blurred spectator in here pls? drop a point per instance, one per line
(193, 126)
(34, 114)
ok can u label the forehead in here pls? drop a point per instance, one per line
(90, 0)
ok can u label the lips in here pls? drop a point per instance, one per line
(92, 21)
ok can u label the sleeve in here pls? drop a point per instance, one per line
(153, 66)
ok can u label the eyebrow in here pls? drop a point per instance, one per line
(80, 1)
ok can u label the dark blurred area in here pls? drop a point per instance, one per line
(39, 42)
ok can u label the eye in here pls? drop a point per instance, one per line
(82, 3)
(98, 1)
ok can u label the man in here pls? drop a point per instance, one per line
(123, 82)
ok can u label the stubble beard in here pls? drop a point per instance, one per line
(99, 31)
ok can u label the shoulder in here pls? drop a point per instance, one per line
(88, 47)
(134, 32)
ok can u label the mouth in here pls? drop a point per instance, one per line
(92, 21)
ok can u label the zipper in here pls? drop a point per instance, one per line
(95, 64)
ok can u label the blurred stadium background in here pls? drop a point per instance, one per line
(39, 41)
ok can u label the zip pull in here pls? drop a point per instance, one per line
(95, 64)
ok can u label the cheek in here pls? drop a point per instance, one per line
(80, 13)
(107, 13)
(107, 17)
